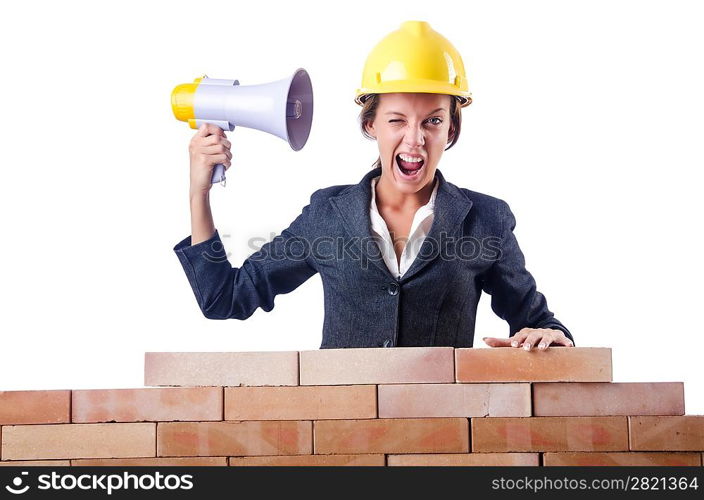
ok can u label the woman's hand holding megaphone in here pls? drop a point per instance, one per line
(208, 147)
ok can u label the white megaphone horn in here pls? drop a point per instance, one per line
(283, 108)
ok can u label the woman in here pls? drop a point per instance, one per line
(404, 254)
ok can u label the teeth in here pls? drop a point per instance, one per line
(410, 158)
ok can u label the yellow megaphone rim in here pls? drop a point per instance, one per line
(182, 98)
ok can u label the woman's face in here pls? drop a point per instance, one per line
(415, 125)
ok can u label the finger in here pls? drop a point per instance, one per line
(546, 342)
(219, 159)
(518, 338)
(203, 130)
(215, 149)
(210, 140)
(563, 341)
(207, 129)
(550, 336)
(555, 337)
(497, 342)
(215, 139)
(532, 339)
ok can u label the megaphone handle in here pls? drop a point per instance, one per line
(218, 174)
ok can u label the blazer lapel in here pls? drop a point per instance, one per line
(451, 208)
(353, 208)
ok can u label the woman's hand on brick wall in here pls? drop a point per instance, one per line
(528, 338)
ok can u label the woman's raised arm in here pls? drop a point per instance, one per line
(207, 148)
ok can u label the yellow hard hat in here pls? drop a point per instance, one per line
(415, 58)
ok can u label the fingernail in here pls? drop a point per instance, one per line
(526, 347)
(542, 345)
(514, 344)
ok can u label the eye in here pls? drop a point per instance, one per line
(439, 122)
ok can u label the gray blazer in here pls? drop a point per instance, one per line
(470, 248)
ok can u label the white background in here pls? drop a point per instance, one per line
(587, 120)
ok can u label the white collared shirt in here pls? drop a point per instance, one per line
(422, 220)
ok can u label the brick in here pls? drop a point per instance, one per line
(220, 368)
(556, 364)
(667, 433)
(454, 400)
(35, 407)
(234, 438)
(611, 459)
(311, 460)
(152, 462)
(300, 403)
(397, 365)
(466, 459)
(135, 405)
(391, 435)
(33, 442)
(36, 463)
(608, 398)
(506, 434)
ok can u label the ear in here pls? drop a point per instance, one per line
(369, 127)
(451, 134)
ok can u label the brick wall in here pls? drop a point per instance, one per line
(385, 406)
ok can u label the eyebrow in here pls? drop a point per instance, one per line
(398, 113)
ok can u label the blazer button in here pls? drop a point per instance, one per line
(393, 288)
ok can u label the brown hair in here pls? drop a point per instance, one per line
(368, 114)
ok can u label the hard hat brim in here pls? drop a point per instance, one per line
(417, 86)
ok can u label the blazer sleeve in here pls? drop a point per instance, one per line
(226, 292)
(514, 295)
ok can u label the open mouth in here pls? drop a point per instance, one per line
(409, 169)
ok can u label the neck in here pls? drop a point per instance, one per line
(387, 196)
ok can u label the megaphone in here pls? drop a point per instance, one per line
(283, 108)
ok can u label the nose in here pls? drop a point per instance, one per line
(414, 137)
